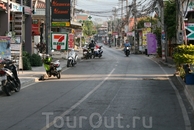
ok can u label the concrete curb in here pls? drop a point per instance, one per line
(167, 64)
(188, 90)
(28, 82)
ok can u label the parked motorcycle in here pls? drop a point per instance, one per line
(127, 51)
(72, 58)
(87, 53)
(9, 78)
(98, 52)
(53, 68)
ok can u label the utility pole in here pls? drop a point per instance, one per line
(48, 26)
(135, 20)
(163, 41)
(73, 10)
(122, 23)
(127, 8)
(8, 14)
(114, 28)
(180, 27)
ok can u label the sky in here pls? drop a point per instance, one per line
(100, 5)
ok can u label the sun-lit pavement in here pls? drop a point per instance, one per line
(113, 92)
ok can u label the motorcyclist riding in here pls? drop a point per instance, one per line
(127, 44)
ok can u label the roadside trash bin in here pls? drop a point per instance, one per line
(189, 78)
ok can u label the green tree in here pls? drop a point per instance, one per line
(170, 19)
(88, 28)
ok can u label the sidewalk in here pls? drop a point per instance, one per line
(188, 89)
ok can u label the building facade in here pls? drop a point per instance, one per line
(15, 16)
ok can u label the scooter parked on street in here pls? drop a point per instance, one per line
(87, 53)
(9, 78)
(72, 58)
(98, 52)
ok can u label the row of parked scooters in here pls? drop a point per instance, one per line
(89, 53)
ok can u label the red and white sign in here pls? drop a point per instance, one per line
(147, 25)
(129, 33)
(114, 33)
(59, 41)
(71, 40)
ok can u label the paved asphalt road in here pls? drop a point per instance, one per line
(114, 92)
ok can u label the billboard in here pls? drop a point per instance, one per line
(151, 43)
(5, 47)
(60, 12)
(59, 41)
(145, 31)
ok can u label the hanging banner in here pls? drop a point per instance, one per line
(71, 40)
(5, 50)
(151, 43)
(59, 41)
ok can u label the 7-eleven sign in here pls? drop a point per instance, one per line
(59, 41)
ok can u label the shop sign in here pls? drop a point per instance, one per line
(59, 41)
(27, 10)
(190, 28)
(60, 10)
(60, 24)
(15, 7)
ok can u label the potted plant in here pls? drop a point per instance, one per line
(183, 55)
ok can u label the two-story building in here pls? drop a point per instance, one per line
(15, 16)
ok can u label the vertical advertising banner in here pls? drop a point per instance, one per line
(59, 41)
(71, 40)
(145, 31)
(60, 12)
(151, 43)
(5, 47)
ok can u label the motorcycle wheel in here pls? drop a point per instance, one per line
(6, 88)
(72, 64)
(59, 75)
(18, 87)
(68, 63)
(127, 54)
